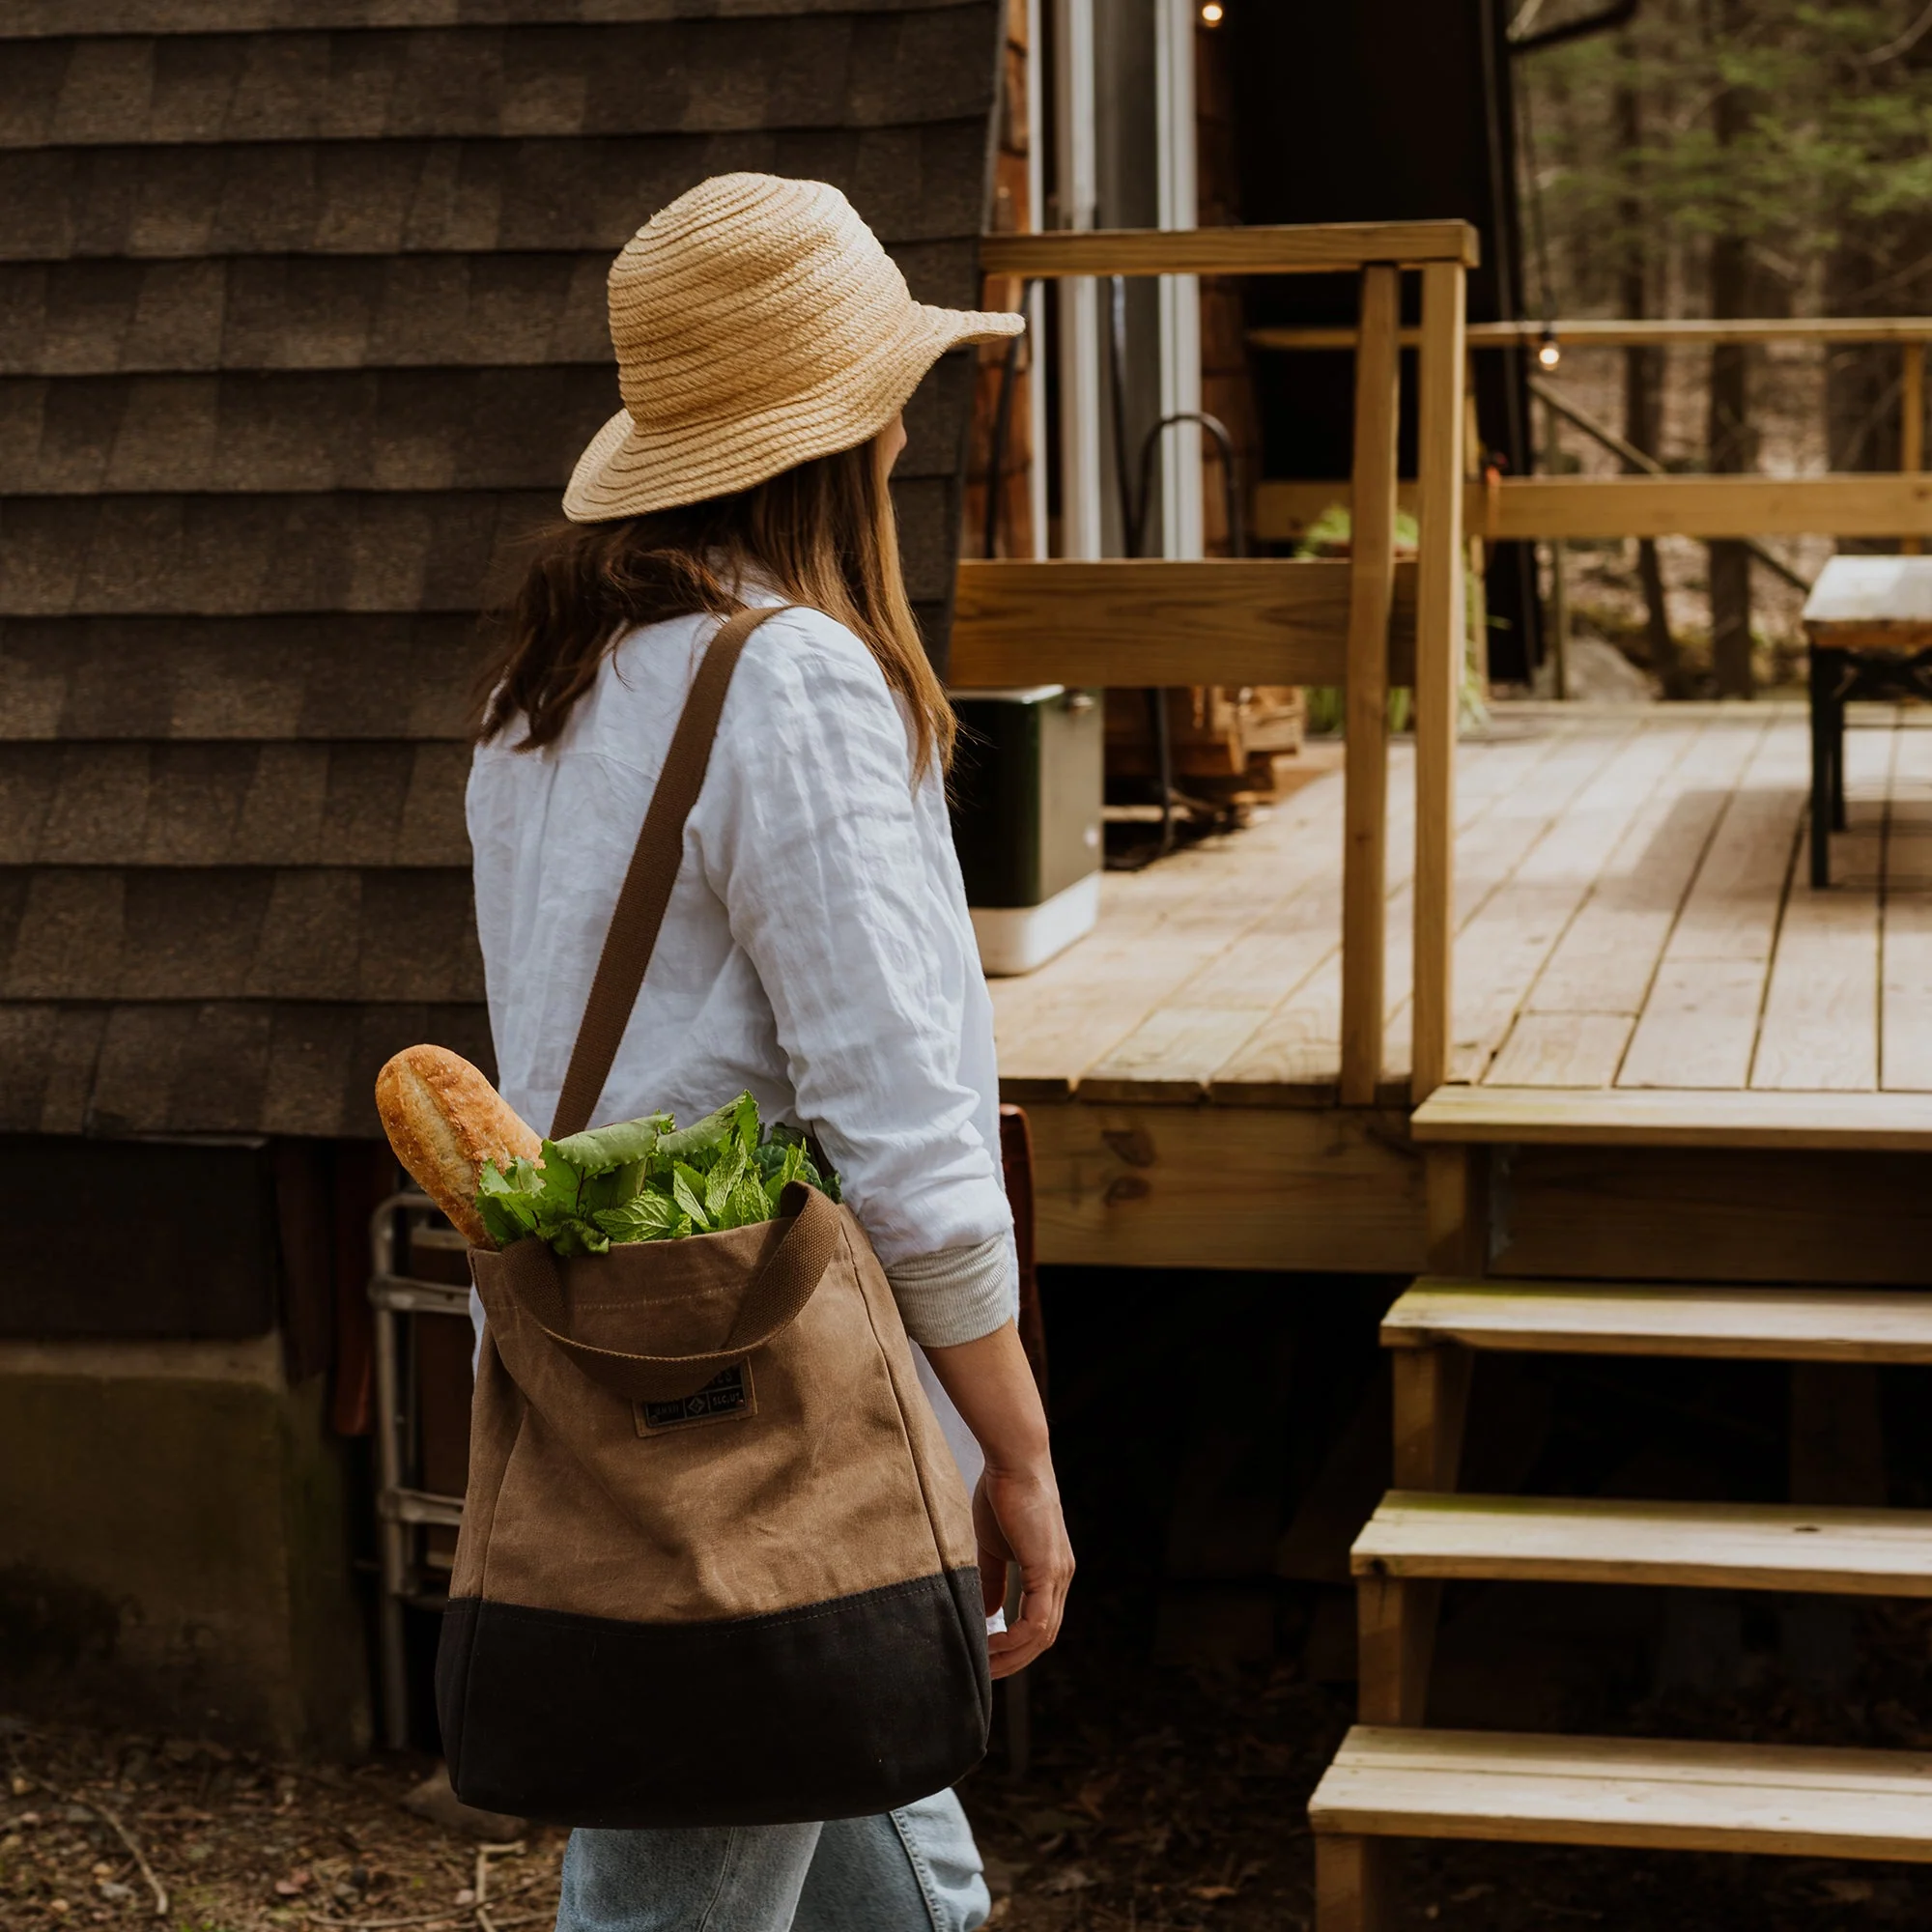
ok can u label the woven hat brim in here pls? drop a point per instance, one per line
(630, 469)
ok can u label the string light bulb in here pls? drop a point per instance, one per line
(1212, 13)
(1549, 352)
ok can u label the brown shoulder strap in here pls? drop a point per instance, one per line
(653, 871)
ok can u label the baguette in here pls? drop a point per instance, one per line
(444, 1121)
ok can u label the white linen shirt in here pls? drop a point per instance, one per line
(816, 948)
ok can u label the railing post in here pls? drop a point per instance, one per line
(1440, 650)
(1911, 424)
(1371, 594)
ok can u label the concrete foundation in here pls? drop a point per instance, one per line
(174, 1544)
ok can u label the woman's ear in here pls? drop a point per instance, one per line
(892, 440)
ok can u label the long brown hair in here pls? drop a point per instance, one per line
(823, 534)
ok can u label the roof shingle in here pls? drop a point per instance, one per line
(39, 19)
(407, 197)
(330, 677)
(148, 932)
(112, 316)
(689, 76)
(133, 803)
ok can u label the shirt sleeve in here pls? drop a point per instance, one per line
(957, 1295)
(808, 830)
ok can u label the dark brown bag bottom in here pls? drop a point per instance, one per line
(586, 1720)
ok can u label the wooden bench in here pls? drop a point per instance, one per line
(1869, 621)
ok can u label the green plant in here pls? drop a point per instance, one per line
(649, 1180)
(1327, 709)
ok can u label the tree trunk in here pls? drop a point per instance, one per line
(1643, 392)
(1860, 420)
(1732, 445)
(1730, 560)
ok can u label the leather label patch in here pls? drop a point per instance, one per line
(726, 1397)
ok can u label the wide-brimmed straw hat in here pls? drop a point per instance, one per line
(757, 324)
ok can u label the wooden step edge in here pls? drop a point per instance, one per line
(1670, 1117)
(1828, 1552)
(1510, 1787)
(1823, 1324)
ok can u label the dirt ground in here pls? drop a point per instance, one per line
(102, 1827)
(1163, 1794)
(1159, 1797)
(1175, 1799)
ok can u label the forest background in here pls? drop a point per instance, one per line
(1724, 159)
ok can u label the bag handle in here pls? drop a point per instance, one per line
(648, 885)
(771, 1303)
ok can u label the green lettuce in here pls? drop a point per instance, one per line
(649, 1180)
(599, 1150)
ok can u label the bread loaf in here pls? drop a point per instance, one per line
(444, 1121)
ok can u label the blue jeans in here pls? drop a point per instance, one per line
(915, 1870)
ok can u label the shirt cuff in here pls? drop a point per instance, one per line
(957, 1295)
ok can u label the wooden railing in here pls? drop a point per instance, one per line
(1894, 504)
(1885, 504)
(1363, 623)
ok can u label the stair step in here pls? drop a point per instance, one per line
(1851, 1553)
(1498, 1786)
(1665, 1117)
(1791, 1324)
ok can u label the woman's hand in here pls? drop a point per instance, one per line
(1017, 1519)
(1016, 1512)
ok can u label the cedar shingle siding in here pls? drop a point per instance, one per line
(302, 326)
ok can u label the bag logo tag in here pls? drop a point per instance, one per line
(729, 1395)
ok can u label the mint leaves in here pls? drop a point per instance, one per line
(648, 1181)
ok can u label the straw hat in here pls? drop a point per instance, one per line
(758, 324)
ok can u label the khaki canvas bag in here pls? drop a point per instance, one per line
(716, 1564)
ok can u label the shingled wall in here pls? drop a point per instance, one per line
(301, 324)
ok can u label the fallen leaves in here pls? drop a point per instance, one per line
(1068, 1878)
(1849, 1890)
(241, 1845)
(1093, 1795)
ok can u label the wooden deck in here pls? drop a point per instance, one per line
(1632, 915)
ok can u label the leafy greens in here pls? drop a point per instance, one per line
(648, 1179)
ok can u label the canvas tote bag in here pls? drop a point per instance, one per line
(716, 1564)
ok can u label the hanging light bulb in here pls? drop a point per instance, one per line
(1212, 13)
(1550, 352)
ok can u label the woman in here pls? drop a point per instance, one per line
(816, 948)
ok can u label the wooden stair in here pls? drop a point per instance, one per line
(1604, 1318)
(1394, 1778)
(1638, 1791)
(1674, 1117)
(1856, 1553)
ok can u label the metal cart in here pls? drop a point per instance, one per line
(413, 1568)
